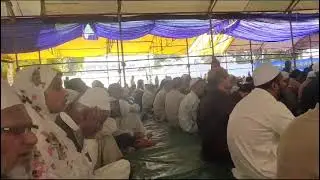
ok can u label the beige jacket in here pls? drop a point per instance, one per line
(298, 151)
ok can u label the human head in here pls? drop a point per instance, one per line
(176, 83)
(42, 86)
(97, 83)
(17, 141)
(77, 84)
(269, 78)
(168, 85)
(185, 82)
(215, 64)
(287, 66)
(90, 110)
(220, 79)
(285, 80)
(140, 84)
(115, 90)
(198, 86)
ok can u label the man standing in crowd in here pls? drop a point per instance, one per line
(288, 97)
(214, 110)
(17, 140)
(255, 126)
(189, 106)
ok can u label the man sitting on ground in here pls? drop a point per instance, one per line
(189, 106)
(255, 126)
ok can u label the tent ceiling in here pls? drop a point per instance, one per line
(135, 7)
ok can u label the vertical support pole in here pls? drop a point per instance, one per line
(121, 43)
(108, 77)
(39, 57)
(119, 69)
(187, 43)
(226, 61)
(107, 52)
(292, 43)
(310, 51)
(251, 57)
(211, 35)
(17, 62)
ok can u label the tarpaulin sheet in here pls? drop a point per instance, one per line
(175, 156)
(33, 35)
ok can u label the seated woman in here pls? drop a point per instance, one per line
(61, 150)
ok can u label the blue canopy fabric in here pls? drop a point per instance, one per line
(34, 35)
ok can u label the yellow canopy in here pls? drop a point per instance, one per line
(149, 44)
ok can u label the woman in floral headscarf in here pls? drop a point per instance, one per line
(56, 155)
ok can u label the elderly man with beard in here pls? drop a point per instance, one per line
(17, 140)
(256, 125)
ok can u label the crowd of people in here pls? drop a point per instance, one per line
(264, 126)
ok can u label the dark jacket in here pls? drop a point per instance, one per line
(214, 110)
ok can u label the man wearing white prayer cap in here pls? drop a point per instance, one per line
(189, 106)
(255, 126)
(82, 120)
(17, 140)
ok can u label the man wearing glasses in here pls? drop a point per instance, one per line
(17, 140)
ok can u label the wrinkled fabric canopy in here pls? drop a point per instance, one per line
(34, 35)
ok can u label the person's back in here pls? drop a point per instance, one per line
(159, 105)
(214, 112)
(298, 152)
(172, 104)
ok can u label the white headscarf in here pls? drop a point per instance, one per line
(25, 86)
(8, 96)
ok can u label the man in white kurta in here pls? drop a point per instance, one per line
(255, 126)
(189, 106)
(159, 105)
(172, 105)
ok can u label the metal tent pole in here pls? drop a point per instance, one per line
(17, 61)
(121, 43)
(251, 57)
(119, 69)
(292, 43)
(211, 35)
(187, 43)
(39, 56)
(310, 47)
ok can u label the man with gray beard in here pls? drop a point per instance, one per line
(17, 140)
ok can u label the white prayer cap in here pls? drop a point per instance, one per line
(96, 97)
(8, 96)
(311, 74)
(194, 81)
(315, 67)
(264, 73)
(285, 75)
